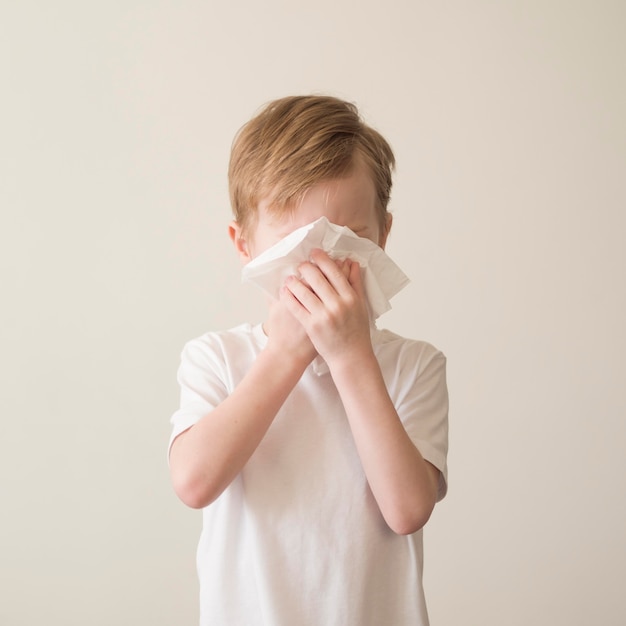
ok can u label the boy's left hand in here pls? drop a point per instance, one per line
(328, 299)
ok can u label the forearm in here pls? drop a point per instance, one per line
(402, 482)
(330, 303)
(206, 458)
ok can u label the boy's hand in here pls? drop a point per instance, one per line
(287, 335)
(329, 302)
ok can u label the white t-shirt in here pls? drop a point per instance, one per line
(297, 538)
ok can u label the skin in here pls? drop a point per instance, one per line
(321, 311)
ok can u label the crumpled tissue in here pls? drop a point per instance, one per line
(382, 278)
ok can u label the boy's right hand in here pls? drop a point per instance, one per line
(287, 335)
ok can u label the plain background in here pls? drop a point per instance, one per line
(508, 123)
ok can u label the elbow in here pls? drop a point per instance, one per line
(408, 520)
(191, 481)
(191, 498)
(191, 490)
(410, 509)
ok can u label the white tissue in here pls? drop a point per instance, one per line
(382, 278)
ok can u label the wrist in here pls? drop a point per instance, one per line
(353, 359)
(282, 358)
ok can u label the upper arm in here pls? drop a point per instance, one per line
(421, 400)
(435, 477)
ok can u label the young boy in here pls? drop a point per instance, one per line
(314, 486)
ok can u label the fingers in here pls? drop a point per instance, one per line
(326, 275)
(355, 278)
(344, 265)
(297, 293)
(326, 282)
(327, 299)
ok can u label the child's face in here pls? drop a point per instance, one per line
(347, 202)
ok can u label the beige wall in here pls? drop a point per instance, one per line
(509, 127)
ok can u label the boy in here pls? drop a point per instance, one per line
(314, 486)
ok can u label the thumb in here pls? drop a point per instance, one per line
(355, 278)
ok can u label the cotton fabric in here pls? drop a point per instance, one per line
(297, 538)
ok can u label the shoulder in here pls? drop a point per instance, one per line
(395, 351)
(222, 339)
(223, 345)
(220, 357)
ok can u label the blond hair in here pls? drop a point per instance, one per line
(297, 142)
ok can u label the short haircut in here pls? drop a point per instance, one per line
(296, 142)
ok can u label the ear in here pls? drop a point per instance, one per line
(382, 240)
(235, 232)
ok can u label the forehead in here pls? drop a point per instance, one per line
(349, 197)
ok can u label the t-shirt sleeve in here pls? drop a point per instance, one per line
(203, 384)
(422, 405)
